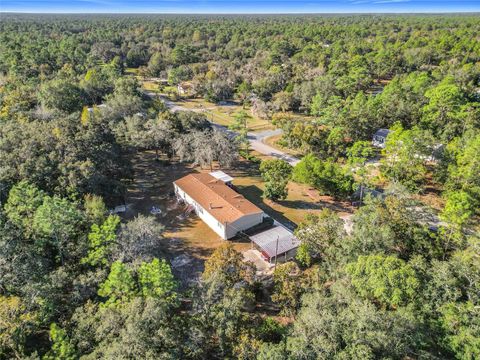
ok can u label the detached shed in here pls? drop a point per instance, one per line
(380, 138)
(276, 241)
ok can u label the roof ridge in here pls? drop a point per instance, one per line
(224, 199)
(216, 198)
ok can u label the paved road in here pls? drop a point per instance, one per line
(257, 139)
(257, 143)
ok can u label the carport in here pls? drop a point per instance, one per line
(274, 242)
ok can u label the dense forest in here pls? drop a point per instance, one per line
(78, 282)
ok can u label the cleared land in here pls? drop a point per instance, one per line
(188, 241)
(185, 236)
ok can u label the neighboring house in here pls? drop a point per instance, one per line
(277, 241)
(364, 191)
(224, 210)
(380, 138)
(184, 88)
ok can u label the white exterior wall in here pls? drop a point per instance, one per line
(213, 223)
(244, 223)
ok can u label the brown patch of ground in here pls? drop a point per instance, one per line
(187, 241)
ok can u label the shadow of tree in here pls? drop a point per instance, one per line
(300, 204)
(254, 194)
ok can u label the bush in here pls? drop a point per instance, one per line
(276, 174)
(326, 176)
(246, 155)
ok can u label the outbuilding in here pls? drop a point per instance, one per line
(276, 242)
(223, 209)
(380, 138)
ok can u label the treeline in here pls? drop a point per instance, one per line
(75, 282)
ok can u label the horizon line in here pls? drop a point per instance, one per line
(239, 13)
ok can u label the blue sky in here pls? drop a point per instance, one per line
(238, 6)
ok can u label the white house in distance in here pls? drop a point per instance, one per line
(220, 207)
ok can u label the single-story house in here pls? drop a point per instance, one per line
(278, 242)
(223, 209)
(380, 138)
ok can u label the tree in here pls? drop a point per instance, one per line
(226, 150)
(360, 152)
(326, 176)
(287, 288)
(240, 124)
(283, 101)
(463, 171)
(224, 294)
(22, 203)
(320, 236)
(405, 153)
(204, 147)
(61, 349)
(156, 64)
(16, 325)
(461, 323)
(386, 279)
(227, 263)
(136, 57)
(137, 239)
(140, 329)
(442, 114)
(101, 242)
(160, 134)
(156, 280)
(276, 174)
(58, 223)
(119, 287)
(63, 95)
(458, 210)
(275, 190)
(96, 83)
(334, 323)
(243, 92)
(357, 156)
(85, 116)
(95, 209)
